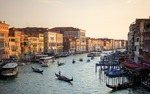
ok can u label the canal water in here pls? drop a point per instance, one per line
(85, 79)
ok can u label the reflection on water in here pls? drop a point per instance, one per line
(85, 80)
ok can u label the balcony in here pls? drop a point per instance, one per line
(147, 30)
(136, 43)
(146, 38)
(146, 50)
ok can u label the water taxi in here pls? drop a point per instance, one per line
(49, 58)
(10, 69)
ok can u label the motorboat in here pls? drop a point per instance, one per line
(45, 64)
(9, 69)
(47, 59)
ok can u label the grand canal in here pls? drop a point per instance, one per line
(85, 79)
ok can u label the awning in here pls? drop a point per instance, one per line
(146, 64)
(133, 65)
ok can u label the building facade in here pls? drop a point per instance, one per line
(146, 42)
(35, 32)
(53, 42)
(24, 44)
(88, 44)
(41, 43)
(50, 42)
(33, 44)
(59, 42)
(130, 47)
(4, 44)
(76, 33)
(137, 39)
(14, 42)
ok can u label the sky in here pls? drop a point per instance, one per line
(99, 18)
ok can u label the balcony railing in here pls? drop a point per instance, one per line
(136, 43)
(147, 30)
(146, 50)
(146, 38)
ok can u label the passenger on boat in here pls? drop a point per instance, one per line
(59, 73)
(58, 62)
(73, 61)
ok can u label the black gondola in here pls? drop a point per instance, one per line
(88, 60)
(60, 63)
(73, 61)
(120, 86)
(81, 59)
(146, 84)
(92, 57)
(37, 70)
(63, 78)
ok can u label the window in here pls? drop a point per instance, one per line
(12, 40)
(34, 39)
(34, 45)
(17, 40)
(2, 35)
(137, 39)
(1, 43)
(13, 48)
(41, 35)
(134, 48)
(52, 38)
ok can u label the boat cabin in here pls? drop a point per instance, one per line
(10, 69)
(46, 59)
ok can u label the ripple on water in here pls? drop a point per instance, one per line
(86, 81)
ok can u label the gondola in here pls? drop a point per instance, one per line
(146, 84)
(60, 63)
(81, 59)
(45, 64)
(73, 61)
(63, 78)
(88, 60)
(120, 86)
(92, 57)
(115, 73)
(37, 70)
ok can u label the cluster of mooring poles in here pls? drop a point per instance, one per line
(111, 72)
